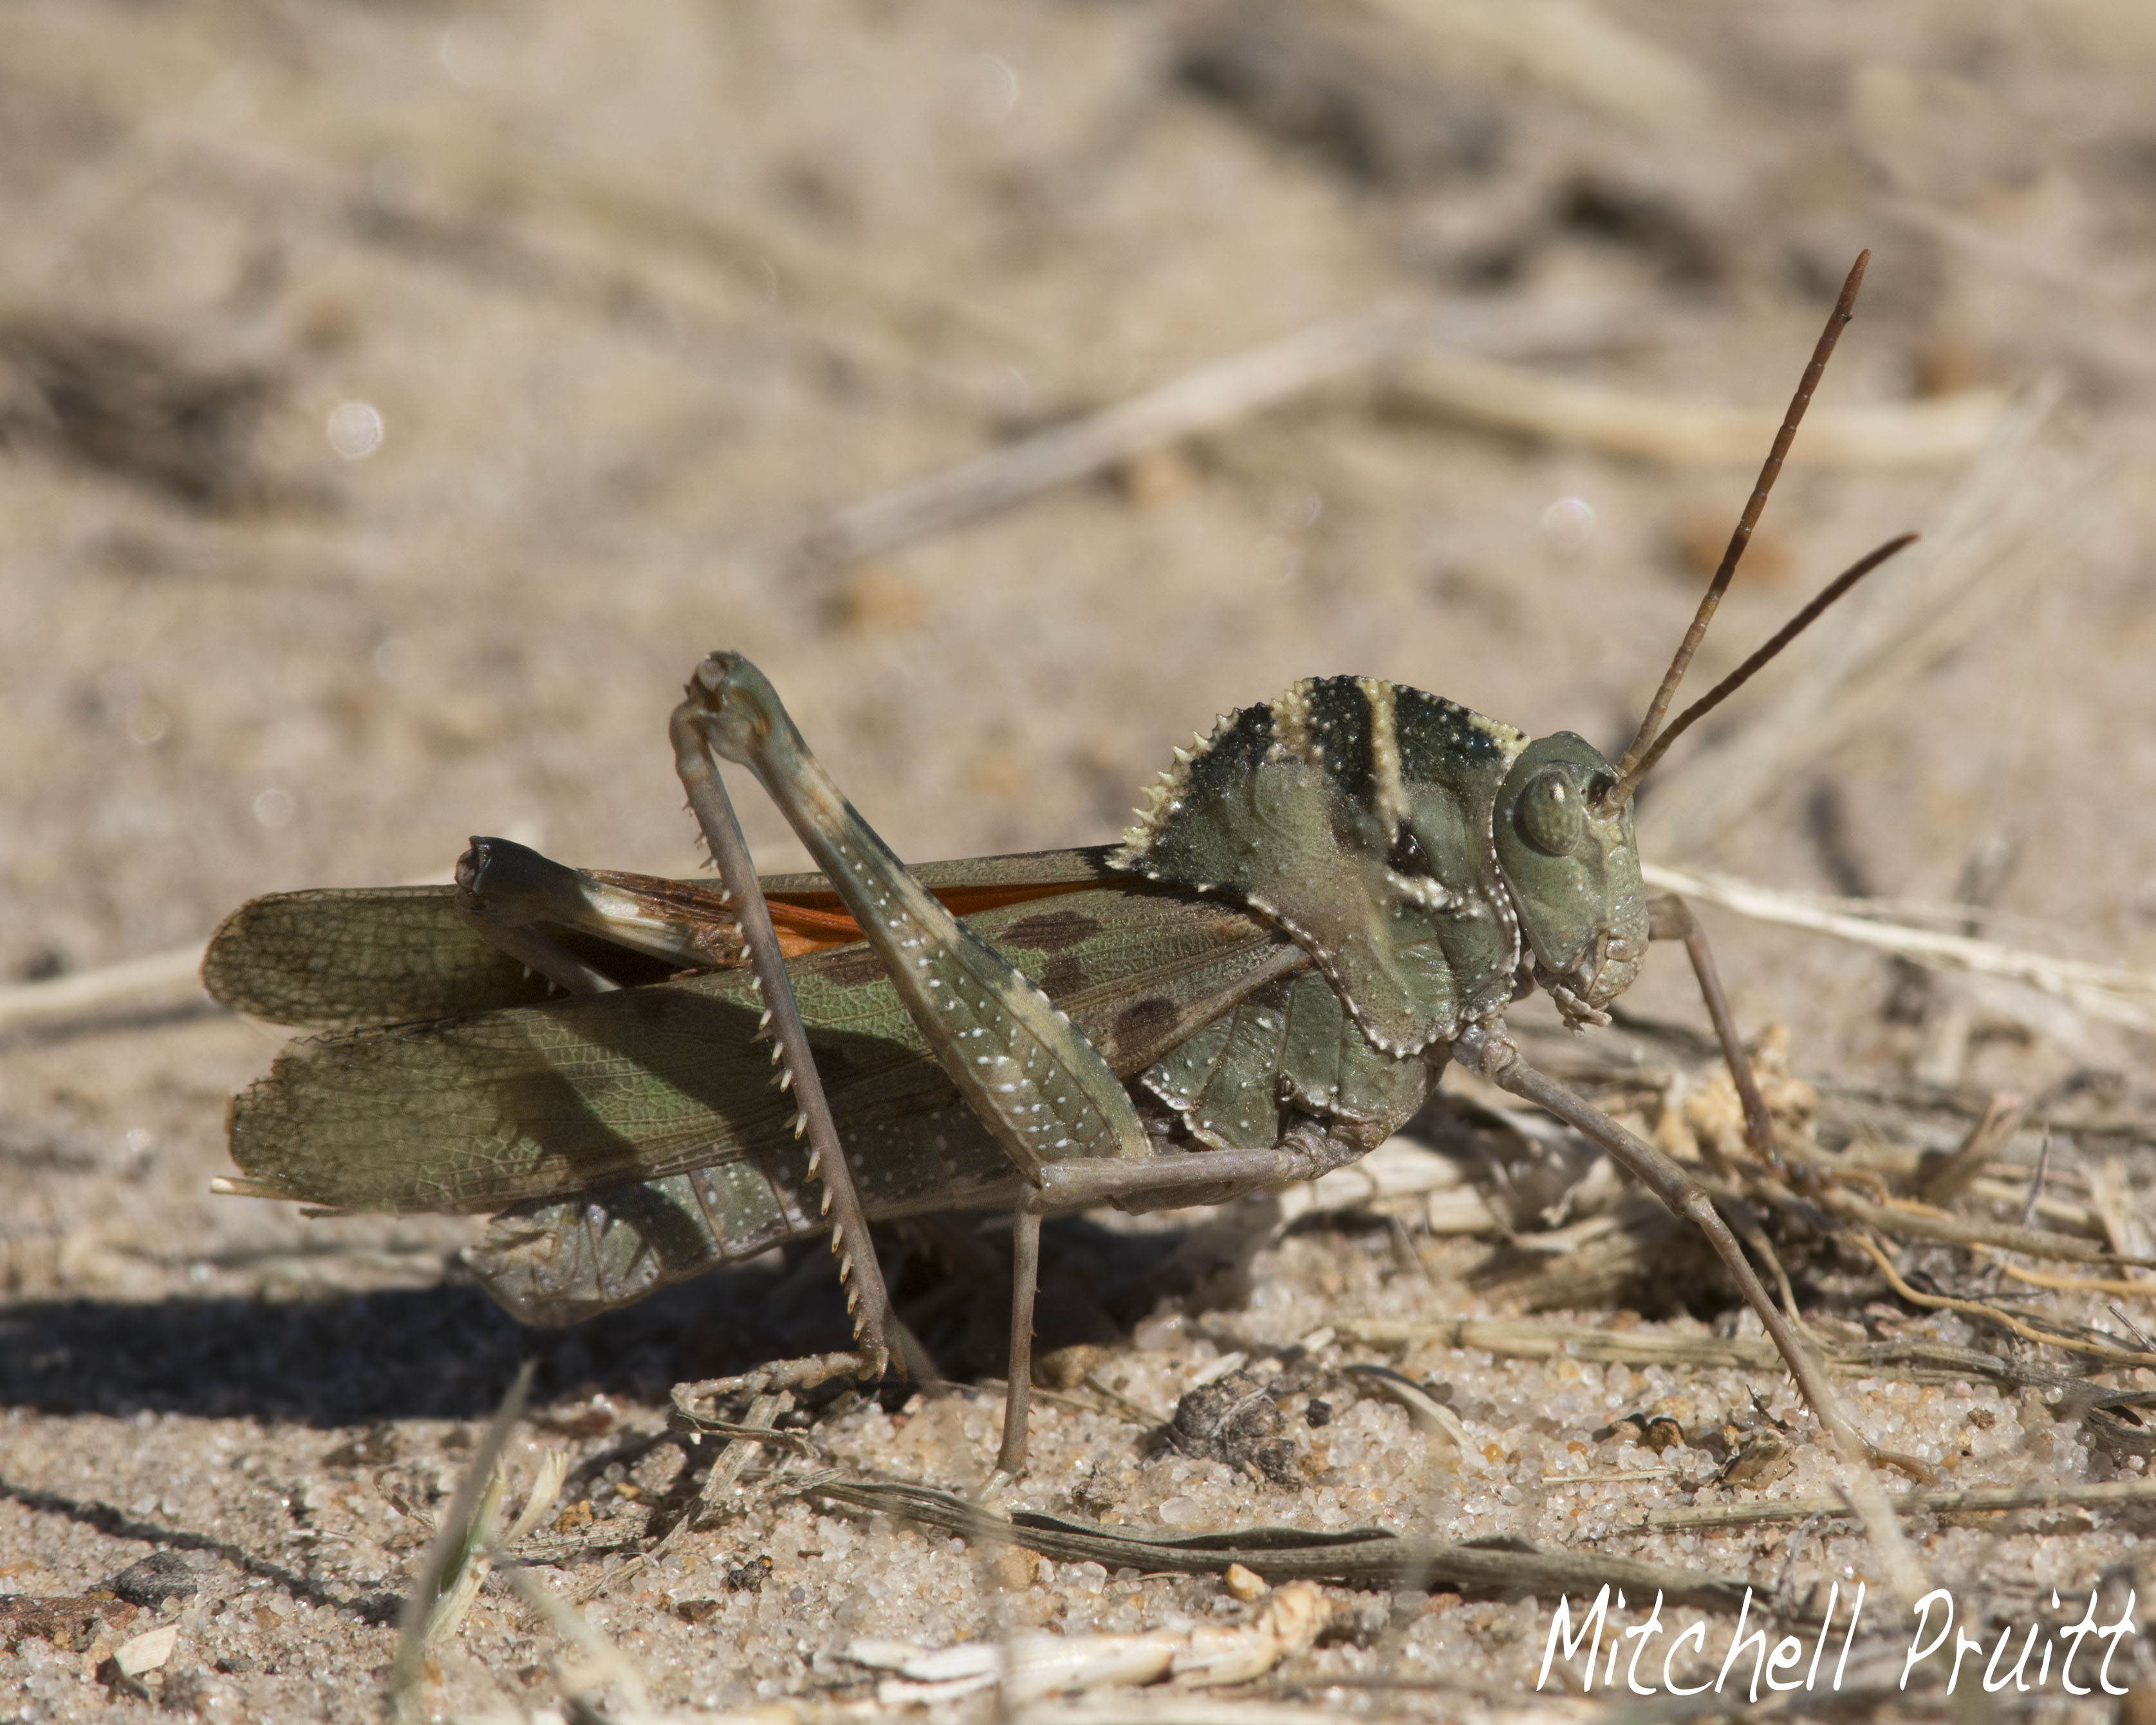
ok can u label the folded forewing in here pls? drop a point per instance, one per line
(360, 956)
(341, 957)
(478, 1112)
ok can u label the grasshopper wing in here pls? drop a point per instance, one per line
(1141, 980)
(580, 1095)
(338, 958)
(474, 1112)
(333, 957)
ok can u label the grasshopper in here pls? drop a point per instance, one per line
(1323, 902)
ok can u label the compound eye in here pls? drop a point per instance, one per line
(1548, 813)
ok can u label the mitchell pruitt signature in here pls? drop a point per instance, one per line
(1788, 1655)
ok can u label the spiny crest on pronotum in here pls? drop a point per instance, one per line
(1434, 863)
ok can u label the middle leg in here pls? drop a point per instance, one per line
(1025, 1283)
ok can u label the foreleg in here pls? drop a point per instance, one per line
(1493, 1055)
(1668, 917)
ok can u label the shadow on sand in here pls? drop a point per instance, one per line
(449, 1352)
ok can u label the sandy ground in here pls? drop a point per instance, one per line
(397, 401)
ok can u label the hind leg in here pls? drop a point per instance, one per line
(1043, 1090)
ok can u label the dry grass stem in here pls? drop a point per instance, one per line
(1419, 369)
(154, 980)
(456, 1544)
(1942, 1180)
(1573, 48)
(1357, 1556)
(2110, 1356)
(1519, 1339)
(1910, 1360)
(2076, 1284)
(1905, 1216)
(487, 1537)
(1924, 1098)
(1212, 396)
(2117, 996)
(2102, 1494)
(1620, 422)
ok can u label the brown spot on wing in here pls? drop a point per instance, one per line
(1063, 975)
(1052, 930)
(1142, 1020)
(850, 967)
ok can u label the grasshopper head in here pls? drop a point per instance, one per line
(1565, 848)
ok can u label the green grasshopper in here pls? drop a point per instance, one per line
(1323, 902)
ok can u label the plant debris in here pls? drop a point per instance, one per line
(1359, 1557)
(1027, 1668)
(1235, 1420)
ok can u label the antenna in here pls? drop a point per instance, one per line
(1737, 679)
(1628, 767)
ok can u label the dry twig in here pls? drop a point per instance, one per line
(1213, 395)
(1622, 422)
(2119, 996)
(1364, 1556)
(2051, 1495)
(2110, 1355)
(1422, 369)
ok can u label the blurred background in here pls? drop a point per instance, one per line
(396, 400)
